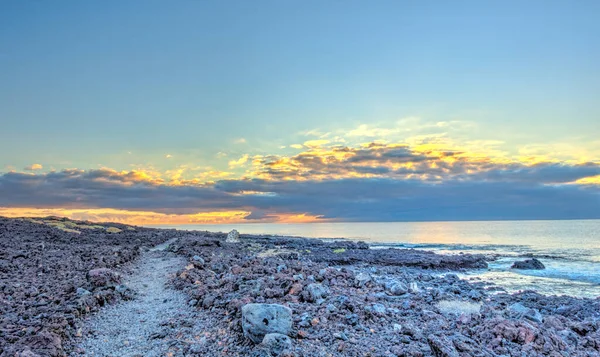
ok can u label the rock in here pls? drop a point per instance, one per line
(352, 319)
(261, 319)
(413, 288)
(103, 277)
(27, 353)
(397, 327)
(396, 288)
(125, 291)
(361, 279)
(198, 259)
(314, 292)
(528, 264)
(277, 343)
(82, 292)
(523, 311)
(233, 237)
(441, 346)
(376, 309)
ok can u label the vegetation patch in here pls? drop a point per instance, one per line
(457, 307)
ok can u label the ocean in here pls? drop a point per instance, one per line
(570, 250)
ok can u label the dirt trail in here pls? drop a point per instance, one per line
(139, 327)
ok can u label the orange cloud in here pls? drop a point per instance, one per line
(142, 218)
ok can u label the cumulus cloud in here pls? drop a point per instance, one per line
(33, 167)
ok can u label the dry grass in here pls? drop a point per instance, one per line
(458, 307)
(86, 226)
(113, 230)
(273, 252)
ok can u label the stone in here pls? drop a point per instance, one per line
(413, 288)
(314, 292)
(361, 279)
(259, 320)
(233, 237)
(523, 311)
(277, 343)
(396, 288)
(441, 346)
(82, 292)
(528, 264)
(376, 309)
(103, 277)
(198, 259)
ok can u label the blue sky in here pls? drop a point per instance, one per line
(196, 86)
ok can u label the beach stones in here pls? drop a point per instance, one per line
(528, 264)
(102, 277)
(277, 343)
(314, 292)
(396, 288)
(259, 320)
(522, 311)
(233, 237)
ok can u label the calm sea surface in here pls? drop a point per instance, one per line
(569, 249)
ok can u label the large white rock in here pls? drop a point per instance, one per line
(233, 237)
(259, 320)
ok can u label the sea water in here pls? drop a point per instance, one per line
(570, 250)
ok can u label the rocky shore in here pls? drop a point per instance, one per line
(273, 296)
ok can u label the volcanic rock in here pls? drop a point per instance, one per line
(528, 264)
(233, 237)
(259, 320)
(103, 277)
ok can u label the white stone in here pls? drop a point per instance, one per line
(233, 237)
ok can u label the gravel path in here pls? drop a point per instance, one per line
(139, 327)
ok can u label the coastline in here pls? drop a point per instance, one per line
(347, 299)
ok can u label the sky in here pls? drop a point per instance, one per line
(149, 112)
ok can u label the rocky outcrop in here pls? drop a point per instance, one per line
(528, 264)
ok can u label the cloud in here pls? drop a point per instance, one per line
(501, 191)
(297, 146)
(239, 141)
(239, 162)
(33, 167)
(168, 156)
(315, 143)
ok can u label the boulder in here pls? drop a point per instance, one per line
(522, 311)
(361, 279)
(103, 277)
(528, 264)
(276, 343)
(233, 237)
(396, 288)
(441, 346)
(259, 320)
(314, 292)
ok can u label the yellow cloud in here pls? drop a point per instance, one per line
(34, 167)
(239, 162)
